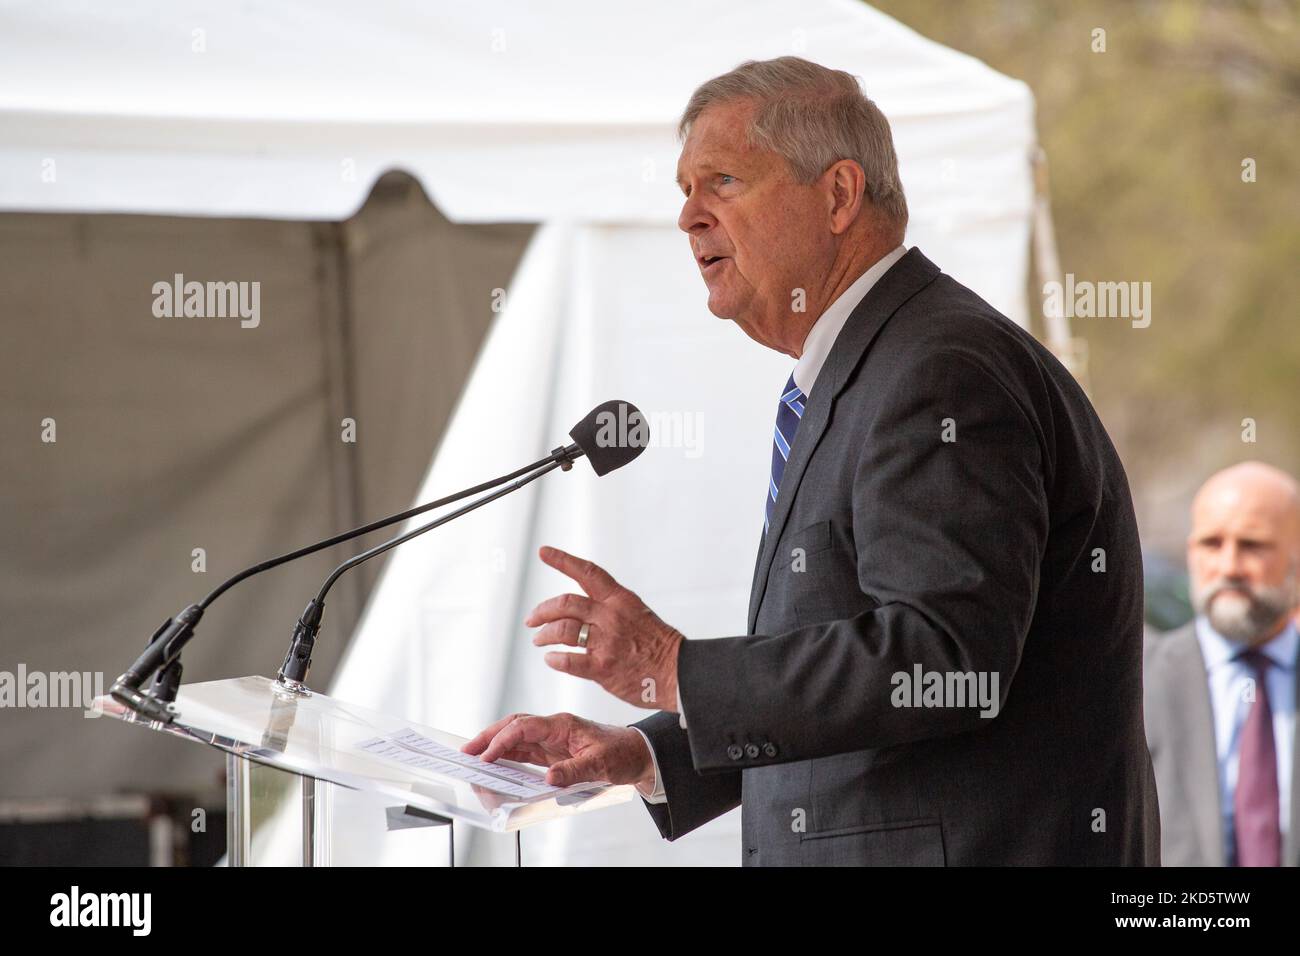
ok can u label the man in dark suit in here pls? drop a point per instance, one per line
(1221, 692)
(942, 663)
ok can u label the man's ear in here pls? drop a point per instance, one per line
(845, 185)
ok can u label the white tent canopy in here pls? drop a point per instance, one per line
(514, 112)
(505, 111)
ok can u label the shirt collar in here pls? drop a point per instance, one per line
(1217, 650)
(827, 328)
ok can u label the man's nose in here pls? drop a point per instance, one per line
(694, 218)
(1231, 561)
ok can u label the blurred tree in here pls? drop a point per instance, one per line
(1146, 143)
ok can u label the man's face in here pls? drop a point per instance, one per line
(1242, 555)
(757, 234)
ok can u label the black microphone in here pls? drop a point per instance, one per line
(611, 435)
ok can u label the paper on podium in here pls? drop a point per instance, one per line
(412, 749)
(318, 736)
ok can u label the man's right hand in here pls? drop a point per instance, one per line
(575, 750)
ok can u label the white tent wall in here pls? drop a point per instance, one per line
(594, 312)
(182, 433)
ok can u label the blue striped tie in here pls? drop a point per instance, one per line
(788, 412)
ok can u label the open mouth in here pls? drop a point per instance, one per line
(710, 262)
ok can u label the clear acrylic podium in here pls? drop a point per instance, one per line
(330, 743)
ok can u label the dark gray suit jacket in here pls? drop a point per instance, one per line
(1180, 733)
(973, 555)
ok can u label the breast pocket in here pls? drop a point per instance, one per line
(907, 843)
(819, 576)
(811, 540)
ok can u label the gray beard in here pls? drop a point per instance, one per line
(1246, 620)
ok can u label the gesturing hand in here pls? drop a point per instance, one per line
(575, 750)
(629, 651)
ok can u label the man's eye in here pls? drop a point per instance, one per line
(724, 178)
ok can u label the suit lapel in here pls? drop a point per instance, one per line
(904, 279)
(1194, 748)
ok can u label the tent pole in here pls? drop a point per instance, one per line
(1072, 352)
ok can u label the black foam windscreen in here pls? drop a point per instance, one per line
(612, 434)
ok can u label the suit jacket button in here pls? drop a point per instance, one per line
(769, 750)
(751, 751)
(734, 752)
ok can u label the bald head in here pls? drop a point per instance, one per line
(1244, 550)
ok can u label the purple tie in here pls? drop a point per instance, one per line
(1255, 804)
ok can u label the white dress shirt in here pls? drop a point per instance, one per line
(1228, 682)
(816, 346)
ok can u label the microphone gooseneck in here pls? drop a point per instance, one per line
(162, 652)
(609, 436)
(602, 437)
(297, 662)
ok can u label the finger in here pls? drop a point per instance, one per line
(528, 753)
(594, 579)
(561, 632)
(570, 662)
(584, 769)
(524, 730)
(481, 740)
(562, 606)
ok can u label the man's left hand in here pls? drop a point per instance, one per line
(630, 652)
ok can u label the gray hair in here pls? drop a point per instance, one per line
(814, 117)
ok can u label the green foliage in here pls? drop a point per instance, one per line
(1145, 143)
